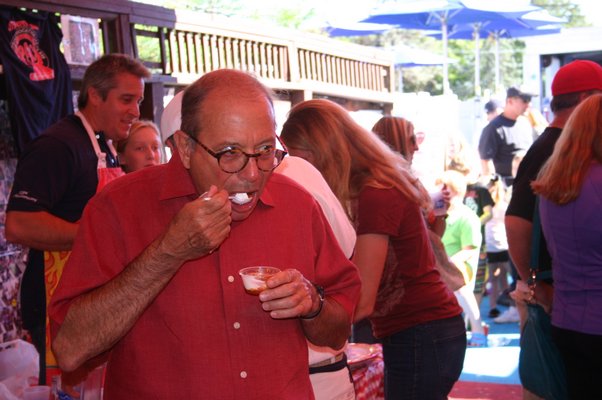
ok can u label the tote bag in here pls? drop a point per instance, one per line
(540, 367)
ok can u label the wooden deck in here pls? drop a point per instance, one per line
(179, 47)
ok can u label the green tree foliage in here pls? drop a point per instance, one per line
(462, 72)
(563, 9)
(415, 79)
(289, 15)
(221, 7)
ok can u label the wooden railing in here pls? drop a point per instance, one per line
(180, 46)
(284, 59)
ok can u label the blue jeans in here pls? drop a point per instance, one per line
(423, 362)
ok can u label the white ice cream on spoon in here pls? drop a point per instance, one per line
(240, 198)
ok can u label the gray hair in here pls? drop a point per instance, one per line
(102, 75)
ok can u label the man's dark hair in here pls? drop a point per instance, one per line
(568, 100)
(102, 75)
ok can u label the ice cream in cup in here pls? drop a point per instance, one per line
(254, 278)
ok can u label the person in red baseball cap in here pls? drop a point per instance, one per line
(573, 83)
(577, 77)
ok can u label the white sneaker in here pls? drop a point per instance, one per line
(508, 316)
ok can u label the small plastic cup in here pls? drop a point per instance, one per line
(438, 203)
(36, 393)
(254, 278)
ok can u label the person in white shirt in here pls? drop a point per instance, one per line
(335, 382)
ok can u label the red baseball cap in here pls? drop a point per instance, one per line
(577, 76)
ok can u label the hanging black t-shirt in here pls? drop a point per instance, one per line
(38, 81)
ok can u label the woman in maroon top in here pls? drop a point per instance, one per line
(410, 308)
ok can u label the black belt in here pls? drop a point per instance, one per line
(335, 366)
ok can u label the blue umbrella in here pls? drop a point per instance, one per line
(356, 29)
(440, 14)
(406, 57)
(534, 23)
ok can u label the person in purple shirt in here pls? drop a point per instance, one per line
(570, 189)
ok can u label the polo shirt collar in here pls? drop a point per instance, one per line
(266, 196)
(176, 181)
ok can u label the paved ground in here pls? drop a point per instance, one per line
(491, 373)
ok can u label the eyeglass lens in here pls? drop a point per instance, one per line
(235, 160)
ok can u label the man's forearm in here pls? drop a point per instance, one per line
(331, 327)
(99, 319)
(40, 230)
(487, 168)
(518, 233)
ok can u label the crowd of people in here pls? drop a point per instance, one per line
(135, 250)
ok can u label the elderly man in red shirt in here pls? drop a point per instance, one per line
(153, 278)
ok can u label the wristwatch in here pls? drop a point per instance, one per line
(320, 291)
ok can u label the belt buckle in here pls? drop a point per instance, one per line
(328, 361)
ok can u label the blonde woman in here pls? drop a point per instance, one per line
(409, 307)
(142, 147)
(570, 189)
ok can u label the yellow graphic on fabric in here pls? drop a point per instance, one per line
(54, 263)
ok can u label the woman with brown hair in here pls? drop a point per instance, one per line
(399, 133)
(410, 308)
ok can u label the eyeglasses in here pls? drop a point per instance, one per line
(234, 160)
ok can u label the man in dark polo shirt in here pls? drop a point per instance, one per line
(60, 171)
(506, 136)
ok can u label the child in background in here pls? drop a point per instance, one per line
(496, 244)
(479, 200)
(142, 148)
(462, 241)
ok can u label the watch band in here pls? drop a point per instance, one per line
(320, 291)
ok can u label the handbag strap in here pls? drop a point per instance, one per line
(535, 246)
(535, 238)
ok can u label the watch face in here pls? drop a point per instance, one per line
(320, 291)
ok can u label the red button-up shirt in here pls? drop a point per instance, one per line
(204, 337)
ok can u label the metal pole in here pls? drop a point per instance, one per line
(446, 87)
(477, 62)
(400, 77)
(498, 83)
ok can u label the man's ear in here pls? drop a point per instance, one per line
(184, 147)
(583, 96)
(93, 96)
